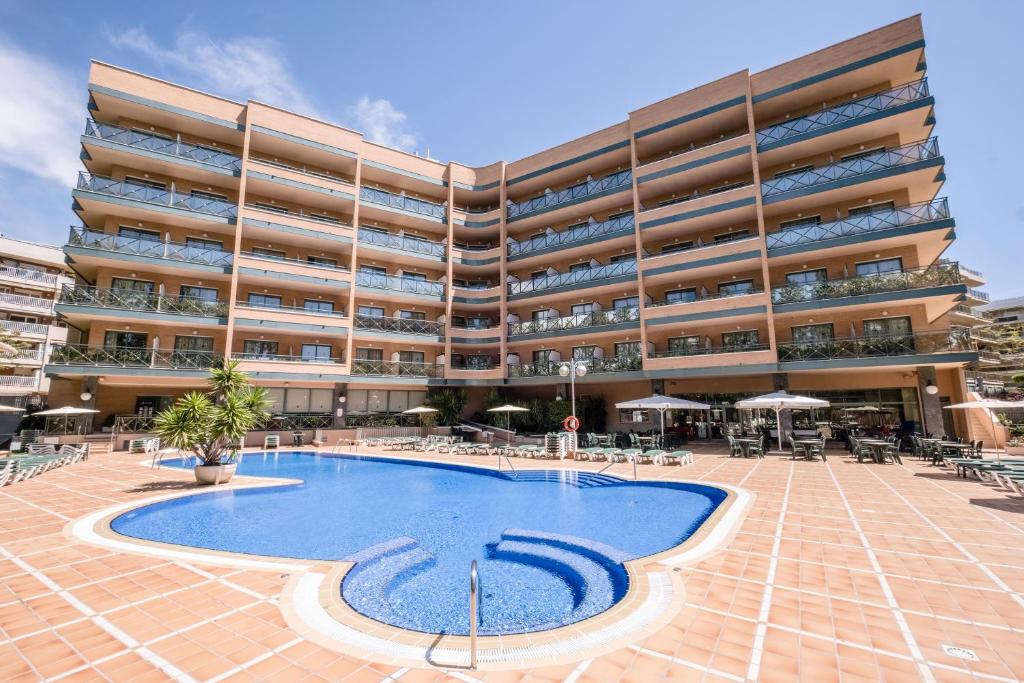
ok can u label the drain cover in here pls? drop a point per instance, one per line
(961, 653)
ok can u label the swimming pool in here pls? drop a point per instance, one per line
(550, 544)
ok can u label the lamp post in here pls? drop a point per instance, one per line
(572, 370)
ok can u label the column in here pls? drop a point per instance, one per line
(931, 406)
(780, 380)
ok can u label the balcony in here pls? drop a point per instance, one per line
(161, 145)
(706, 297)
(471, 362)
(923, 343)
(590, 321)
(570, 195)
(412, 245)
(153, 196)
(403, 203)
(26, 303)
(300, 214)
(80, 355)
(628, 363)
(541, 285)
(394, 368)
(23, 357)
(18, 381)
(864, 108)
(282, 358)
(297, 265)
(127, 300)
(864, 167)
(24, 329)
(32, 277)
(133, 246)
(584, 234)
(914, 278)
(302, 170)
(302, 310)
(978, 294)
(864, 224)
(688, 351)
(423, 328)
(398, 283)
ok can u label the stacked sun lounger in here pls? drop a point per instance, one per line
(43, 458)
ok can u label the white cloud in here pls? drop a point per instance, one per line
(381, 122)
(42, 114)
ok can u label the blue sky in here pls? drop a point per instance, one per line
(481, 81)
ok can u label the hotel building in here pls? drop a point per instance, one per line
(775, 230)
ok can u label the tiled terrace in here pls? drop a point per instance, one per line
(840, 571)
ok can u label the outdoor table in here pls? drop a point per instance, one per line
(746, 443)
(955, 445)
(877, 447)
(806, 445)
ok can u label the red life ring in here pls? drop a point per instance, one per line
(571, 423)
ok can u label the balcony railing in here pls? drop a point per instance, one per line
(914, 278)
(834, 116)
(476, 363)
(399, 283)
(301, 213)
(127, 300)
(570, 194)
(402, 243)
(728, 294)
(709, 350)
(885, 219)
(970, 310)
(971, 271)
(287, 423)
(24, 328)
(989, 356)
(296, 261)
(294, 168)
(290, 309)
(285, 358)
(18, 381)
(851, 168)
(126, 189)
(575, 322)
(616, 226)
(175, 251)
(978, 294)
(625, 363)
(374, 323)
(395, 368)
(130, 357)
(402, 202)
(156, 143)
(539, 284)
(869, 347)
(23, 355)
(488, 325)
(696, 194)
(22, 301)
(33, 276)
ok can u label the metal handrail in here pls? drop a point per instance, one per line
(899, 280)
(137, 246)
(551, 199)
(706, 297)
(300, 169)
(474, 616)
(154, 195)
(24, 328)
(391, 368)
(731, 187)
(284, 358)
(885, 159)
(625, 363)
(301, 214)
(870, 346)
(483, 362)
(295, 260)
(978, 294)
(694, 146)
(396, 282)
(833, 116)
(573, 322)
(131, 357)
(34, 302)
(622, 224)
(157, 143)
(402, 242)
(399, 201)
(33, 275)
(582, 275)
(18, 380)
(375, 323)
(290, 309)
(126, 299)
(883, 219)
(709, 350)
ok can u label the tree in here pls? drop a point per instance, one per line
(449, 403)
(207, 424)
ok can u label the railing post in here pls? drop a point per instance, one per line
(474, 607)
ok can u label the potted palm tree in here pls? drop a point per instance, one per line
(209, 425)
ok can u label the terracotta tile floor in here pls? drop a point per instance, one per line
(840, 572)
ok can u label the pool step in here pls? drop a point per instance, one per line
(595, 550)
(380, 550)
(583, 480)
(378, 569)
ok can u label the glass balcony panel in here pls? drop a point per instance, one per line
(913, 214)
(709, 350)
(575, 322)
(402, 243)
(162, 145)
(389, 368)
(402, 202)
(552, 199)
(374, 323)
(117, 356)
(153, 195)
(83, 237)
(914, 278)
(615, 226)
(624, 363)
(398, 283)
(124, 299)
(922, 343)
(582, 275)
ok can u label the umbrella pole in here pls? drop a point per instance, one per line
(778, 427)
(662, 427)
(995, 436)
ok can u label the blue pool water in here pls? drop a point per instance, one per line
(550, 545)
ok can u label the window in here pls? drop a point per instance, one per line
(318, 306)
(807, 277)
(316, 352)
(582, 309)
(268, 253)
(889, 265)
(737, 287)
(631, 256)
(738, 341)
(584, 353)
(477, 323)
(871, 208)
(538, 274)
(862, 155)
(410, 356)
(626, 415)
(419, 277)
(806, 334)
(370, 354)
(626, 349)
(799, 223)
(684, 345)
(322, 261)
(264, 300)
(125, 340)
(542, 356)
(208, 294)
(412, 315)
(372, 311)
(204, 244)
(888, 327)
(678, 246)
(259, 348)
(216, 196)
(579, 266)
(138, 234)
(730, 236)
(794, 171)
(125, 285)
(542, 314)
(678, 296)
(362, 401)
(379, 231)
(459, 321)
(155, 184)
(186, 343)
(626, 302)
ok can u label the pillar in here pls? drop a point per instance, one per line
(931, 406)
(780, 381)
(339, 406)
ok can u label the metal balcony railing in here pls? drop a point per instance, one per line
(914, 278)
(625, 363)
(290, 309)
(127, 189)
(616, 226)
(970, 310)
(18, 381)
(696, 194)
(157, 143)
(833, 116)
(293, 260)
(476, 363)
(728, 294)
(285, 358)
(23, 355)
(989, 356)
(868, 347)
(401, 242)
(301, 213)
(552, 199)
(978, 294)
(693, 146)
(395, 368)
(375, 323)
(124, 299)
(575, 322)
(539, 284)
(399, 201)
(175, 251)
(129, 357)
(24, 328)
(971, 271)
(295, 168)
(399, 283)
(489, 325)
(33, 276)
(287, 423)
(22, 301)
(884, 219)
(708, 350)
(879, 161)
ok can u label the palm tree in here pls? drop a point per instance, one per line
(449, 403)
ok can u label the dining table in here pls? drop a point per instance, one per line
(877, 447)
(745, 443)
(806, 445)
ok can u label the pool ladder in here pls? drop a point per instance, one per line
(474, 612)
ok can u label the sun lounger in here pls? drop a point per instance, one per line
(272, 441)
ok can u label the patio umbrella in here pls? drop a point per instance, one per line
(661, 404)
(779, 401)
(66, 411)
(989, 404)
(11, 409)
(419, 411)
(508, 409)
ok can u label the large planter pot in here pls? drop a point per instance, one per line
(214, 474)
